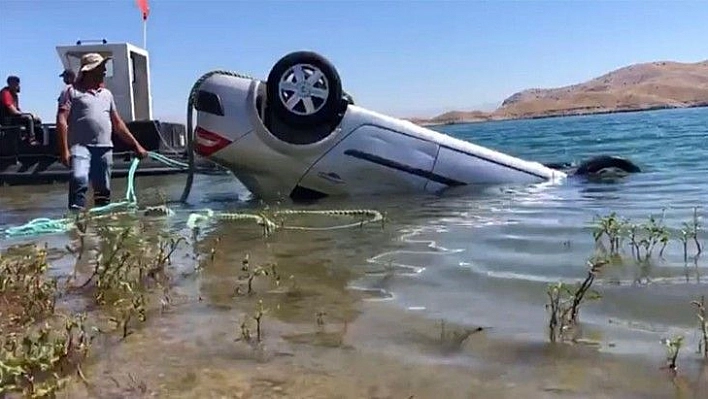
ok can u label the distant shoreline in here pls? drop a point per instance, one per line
(491, 118)
(641, 87)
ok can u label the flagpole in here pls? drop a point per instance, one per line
(144, 32)
(145, 10)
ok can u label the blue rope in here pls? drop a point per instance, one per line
(41, 226)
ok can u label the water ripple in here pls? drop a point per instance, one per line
(509, 242)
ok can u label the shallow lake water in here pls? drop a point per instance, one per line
(471, 258)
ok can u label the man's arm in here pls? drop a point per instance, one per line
(122, 130)
(62, 130)
(62, 122)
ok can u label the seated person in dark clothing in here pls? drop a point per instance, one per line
(10, 113)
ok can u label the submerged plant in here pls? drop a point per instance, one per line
(655, 232)
(127, 310)
(689, 232)
(673, 346)
(612, 227)
(81, 222)
(39, 363)
(130, 265)
(454, 340)
(257, 317)
(565, 302)
(28, 294)
(321, 319)
(213, 250)
(644, 238)
(38, 355)
(35, 359)
(167, 246)
(702, 325)
(250, 274)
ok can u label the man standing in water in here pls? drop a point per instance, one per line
(86, 119)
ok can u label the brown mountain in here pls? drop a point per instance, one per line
(654, 85)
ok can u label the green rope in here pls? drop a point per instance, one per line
(168, 161)
(42, 226)
(39, 226)
(196, 220)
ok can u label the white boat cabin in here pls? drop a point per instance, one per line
(127, 74)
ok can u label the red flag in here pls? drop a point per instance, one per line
(143, 6)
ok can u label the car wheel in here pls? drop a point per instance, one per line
(304, 89)
(598, 164)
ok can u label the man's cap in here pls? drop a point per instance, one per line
(13, 78)
(92, 61)
(67, 72)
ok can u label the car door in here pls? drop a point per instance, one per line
(373, 159)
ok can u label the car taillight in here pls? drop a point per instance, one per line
(206, 143)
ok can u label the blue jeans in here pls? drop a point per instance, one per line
(90, 164)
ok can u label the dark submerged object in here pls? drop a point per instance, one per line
(598, 165)
(25, 164)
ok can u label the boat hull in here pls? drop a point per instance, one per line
(22, 164)
(47, 169)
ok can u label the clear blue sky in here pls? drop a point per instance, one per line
(399, 57)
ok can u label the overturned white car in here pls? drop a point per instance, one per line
(300, 135)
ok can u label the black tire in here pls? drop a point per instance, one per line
(324, 110)
(597, 164)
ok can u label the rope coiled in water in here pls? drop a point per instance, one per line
(41, 226)
(196, 220)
